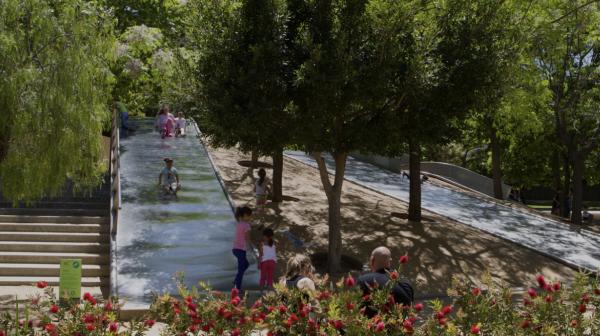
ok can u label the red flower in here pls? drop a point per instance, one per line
(403, 259)
(475, 330)
(380, 326)
(418, 307)
(206, 328)
(585, 298)
(192, 306)
(548, 298)
(294, 318)
(324, 295)
(2, 333)
(108, 306)
(89, 327)
(574, 323)
(350, 305)
(597, 291)
(42, 284)
(236, 332)
(234, 292)
(541, 281)
(556, 286)
(282, 309)
(88, 318)
(442, 321)
(526, 301)
(532, 292)
(349, 281)
(476, 291)
(149, 323)
(193, 328)
(582, 308)
(87, 296)
(394, 275)
(54, 309)
(447, 310)
(235, 301)
(440, 315)
(337, 324)
(50, 328)
(525, 324)
(113, 327)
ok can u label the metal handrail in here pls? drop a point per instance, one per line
(115, 197)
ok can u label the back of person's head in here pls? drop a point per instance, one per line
(180, 114)
(262, 174)
(269, 234)
(299, 264)
(381, 257)
(242, 212)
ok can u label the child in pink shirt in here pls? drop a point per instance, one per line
(241, 243)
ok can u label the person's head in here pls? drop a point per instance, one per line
(180, 114)
(243, 214)
(381, 257)
(268, 236)
(299, 265)
(168, 162)
(262, 174)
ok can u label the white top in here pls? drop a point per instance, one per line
(170, 176)
(261, 190)
(268, 252)
(180, 123)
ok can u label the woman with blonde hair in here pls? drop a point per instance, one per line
(299, 273)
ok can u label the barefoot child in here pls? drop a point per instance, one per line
(241, 243)
(180, 124)
(170, 183)
(261, 190)
(267, 257)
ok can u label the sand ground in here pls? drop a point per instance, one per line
(439, 248)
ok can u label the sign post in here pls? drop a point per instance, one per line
(70, 280)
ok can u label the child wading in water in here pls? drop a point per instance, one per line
(170, 184)
(267, 257)
(261, 190)
(241, 243)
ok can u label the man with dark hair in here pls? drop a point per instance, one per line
(380, 264)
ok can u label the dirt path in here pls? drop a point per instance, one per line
(439, 248)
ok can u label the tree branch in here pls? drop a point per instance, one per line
(323, 173)
(574, 10)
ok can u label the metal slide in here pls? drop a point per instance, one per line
(160, 235)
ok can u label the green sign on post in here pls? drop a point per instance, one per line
(70, 279)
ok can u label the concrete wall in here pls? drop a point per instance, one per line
(460, 175)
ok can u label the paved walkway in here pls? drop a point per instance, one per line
(578, 248)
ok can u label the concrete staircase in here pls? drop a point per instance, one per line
(35, 238)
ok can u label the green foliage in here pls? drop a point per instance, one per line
(54, 94)
(143, 66)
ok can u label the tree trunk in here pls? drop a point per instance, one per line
(278, 176)
(564, 193)
(334, 194)
(578, 172)
(555, 163)
(496, 164)
(414, 205)
(254, 159)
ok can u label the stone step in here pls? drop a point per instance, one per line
(55, 219)
(52, 258)
(77, 237)
(61, 204)
(61, 247)
(55, 212)
(54, 227)
(52, 281)
(50, 270)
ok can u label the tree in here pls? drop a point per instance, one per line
(244, 95)
(460, 51)
(566, 52)
(337, 94)
(54, 95)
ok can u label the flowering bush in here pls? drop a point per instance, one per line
(44, 315)
(549, 308)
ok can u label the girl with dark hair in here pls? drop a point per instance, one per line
(241, 242)
(261, 190)
(267, 257)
